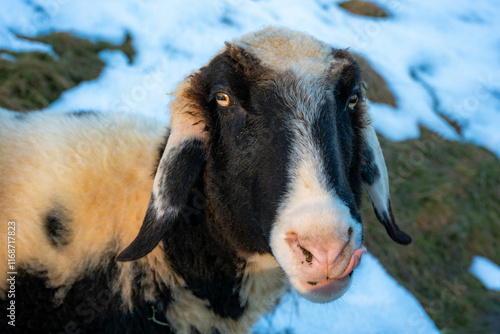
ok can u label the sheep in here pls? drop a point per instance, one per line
(123, 224)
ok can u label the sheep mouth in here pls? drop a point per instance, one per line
(331, 280)
(346, 275)
(323, 291)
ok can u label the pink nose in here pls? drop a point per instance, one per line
(322, 260)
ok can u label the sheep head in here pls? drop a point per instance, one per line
(276, 127)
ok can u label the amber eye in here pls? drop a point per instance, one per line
(223, 100)
(352, 101)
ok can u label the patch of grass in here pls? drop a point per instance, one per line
(33, 80)
(446, 195)
(364, 8)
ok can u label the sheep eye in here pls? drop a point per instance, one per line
(223, 100)
(352, 101)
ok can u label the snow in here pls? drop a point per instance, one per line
(448, 50)
(438, 57)
(375, 303)
(486, 271)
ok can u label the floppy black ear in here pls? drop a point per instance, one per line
(181, 163)
(376, 183)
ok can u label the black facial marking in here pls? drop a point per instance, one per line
(256, 147)
(369, 172)
(57, 223)
(335, 140)
(350, 124)
(248, 150)
(349, 78)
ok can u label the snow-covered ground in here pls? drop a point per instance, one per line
(375, 303)
(429, 51)
(487, 272)
(437, 57)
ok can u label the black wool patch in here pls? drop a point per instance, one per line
(56, 223)
(207, 263)
(90, 305)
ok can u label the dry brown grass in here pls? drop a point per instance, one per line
(446, 195)
(33, 80)
(364, 8)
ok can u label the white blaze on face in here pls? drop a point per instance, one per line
(320, 221)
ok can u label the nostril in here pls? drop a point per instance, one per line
(293, 242)
(307, 254)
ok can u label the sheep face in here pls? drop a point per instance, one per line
(276, 127)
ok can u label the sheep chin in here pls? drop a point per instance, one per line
(322, 292)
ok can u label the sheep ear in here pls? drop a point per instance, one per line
(181, 163)
(376, 183)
